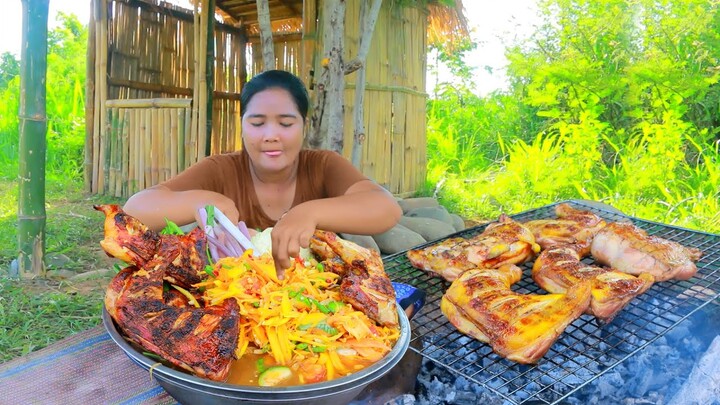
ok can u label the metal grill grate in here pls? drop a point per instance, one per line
(585, 350)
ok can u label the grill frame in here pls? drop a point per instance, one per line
(586, 350)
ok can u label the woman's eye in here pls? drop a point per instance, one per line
(286, 125)
(257, 124)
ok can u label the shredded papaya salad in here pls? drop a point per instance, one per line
(297, 328)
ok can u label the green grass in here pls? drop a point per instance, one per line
(36, 313)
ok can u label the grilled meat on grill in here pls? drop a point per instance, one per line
(503, 242)
(200, 340)
(627, 248)
(364, 285)
(559, 268)
(519, 327)
(572, 226)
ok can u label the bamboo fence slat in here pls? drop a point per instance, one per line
(123, 189)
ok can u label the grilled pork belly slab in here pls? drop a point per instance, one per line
(200, 340)
(629, 249)
(572, 226)
(364, 285)
(559, 268)
(503, 242)
(519, 327)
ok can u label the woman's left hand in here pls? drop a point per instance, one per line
(291, 233)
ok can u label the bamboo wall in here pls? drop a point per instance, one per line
(143, 52)
(394, 152)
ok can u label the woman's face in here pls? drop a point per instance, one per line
(272, 130)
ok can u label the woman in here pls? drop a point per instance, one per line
(272, 181)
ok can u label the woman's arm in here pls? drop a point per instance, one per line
(365, 208)
(153, 205)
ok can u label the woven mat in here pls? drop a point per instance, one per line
(86, 368)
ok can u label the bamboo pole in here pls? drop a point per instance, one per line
(209, 74)
(202, 84)
(101, 56)
(155, 151)
(89, 100)
(191, 151)
(33, 143)
(184, 156)
(166, 136)
(174, 135)
(126, 142)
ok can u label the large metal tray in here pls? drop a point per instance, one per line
(586, 349)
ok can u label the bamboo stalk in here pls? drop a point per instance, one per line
(144, 149)
(155, 151)
(106, 139)
(102, 84)
(150, 103)
(89, 101)
(173, 134)
(202, 83)
(167, 149)
(123, 191)
(192, 152)
(183, 155)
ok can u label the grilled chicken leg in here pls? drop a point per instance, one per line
(519, 327)
(627, 248)
(364, 283)
(503, 242)
(559, 269)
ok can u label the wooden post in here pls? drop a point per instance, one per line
(33, 143)
(326, 122)
(266, 39)
(368, 17)
(210, 74)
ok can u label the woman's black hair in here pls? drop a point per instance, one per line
(271, 79)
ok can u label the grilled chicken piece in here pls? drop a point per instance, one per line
(503, 242)
(572, 226)
(364, 284)
(559, 268)
(186, 257)
(519, 327)
(200, 340)
(126, 238)
(629, 249)
(131, 241)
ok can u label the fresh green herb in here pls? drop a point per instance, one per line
(117, 268)
(320, 267)
(301, 346)
(260, 364)
(323, 326)
(256, 304)
(330, 307)
(318, 349)
(209, 270)
(153, 356)
(171, 228)
(210, 214)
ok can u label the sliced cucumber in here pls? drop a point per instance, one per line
(274, 376)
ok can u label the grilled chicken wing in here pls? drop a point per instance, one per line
(503, 242)
(559, 268)
(186, 257)
(131, 241)
(126, 238)
(519, 327)
(572, 226)
(200, 340)
(627, 248)
(364, 283)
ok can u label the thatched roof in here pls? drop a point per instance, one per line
(446, 24)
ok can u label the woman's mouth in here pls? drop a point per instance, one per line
(273, 153)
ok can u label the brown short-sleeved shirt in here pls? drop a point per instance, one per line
(321, 174)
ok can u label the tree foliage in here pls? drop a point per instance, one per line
(67, 44)
(610, 100)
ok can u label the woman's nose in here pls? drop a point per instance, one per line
(271, 133)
